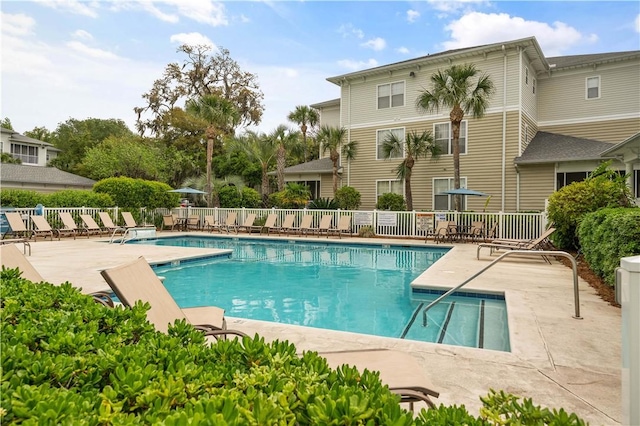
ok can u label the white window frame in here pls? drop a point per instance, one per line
(450, 202)
(26, 158)
(390, 96)
(526, 76)
(586, 87)
(463, 135)
(380, 139)
(389, 181)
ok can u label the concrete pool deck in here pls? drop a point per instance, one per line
(556, 360)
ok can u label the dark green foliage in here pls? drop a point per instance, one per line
(567, 206)
(348, 198)
(391, 201)
(367, 232)
(22, 198)
(323, 204)
(232, 197)
(135, 193)
(294, 196)
(78, 198)
(608, 235)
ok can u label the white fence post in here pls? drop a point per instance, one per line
(628, 279)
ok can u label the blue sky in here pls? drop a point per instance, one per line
(79, 59)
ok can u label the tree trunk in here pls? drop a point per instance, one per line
(407, 190)
(282, 162)
(265, 185)
(334, 158)
(209, 180)
(303, 129)
(456, 118)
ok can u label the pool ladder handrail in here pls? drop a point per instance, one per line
(542, 253)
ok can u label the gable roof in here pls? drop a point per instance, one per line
(41, 175)
(551, 147)
(17, 137)
(322, 165)
(575, 61)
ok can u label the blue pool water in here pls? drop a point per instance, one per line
(358, 288)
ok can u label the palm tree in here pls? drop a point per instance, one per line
(259, 148)
(303, 116)
(332, 139)
(414, 146)
(453, 88)
(220, 117)
(285, 140)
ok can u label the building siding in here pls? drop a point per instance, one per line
(537, 182)
(612, 131)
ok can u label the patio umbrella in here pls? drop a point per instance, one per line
(187, 190)
(465, 191)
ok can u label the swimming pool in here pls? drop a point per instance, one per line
(358, 288)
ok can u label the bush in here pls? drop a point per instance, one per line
(135, 193)
(348, 198)
(20, 198)
(232, 197)
(608, 235)
(294, 196)
(392, 202)
(567, 206)
(78, 198)
(323, 204)
(366, 232)
(68, 360)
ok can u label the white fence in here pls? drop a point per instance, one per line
(384, 223)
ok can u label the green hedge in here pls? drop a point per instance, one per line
(68, 360)
(21, 198)
(608, 235)
(135, 193)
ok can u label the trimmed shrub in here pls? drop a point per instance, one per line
(608, 235)
(135, 193)
(392, 202)
(567, 206)
(348, 198)
(367, 232)
(20, 198)
(232, 197)
(294, 196)
(78, 198)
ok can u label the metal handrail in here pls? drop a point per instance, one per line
(542, 253)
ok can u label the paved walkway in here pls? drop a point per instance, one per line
(556, 360)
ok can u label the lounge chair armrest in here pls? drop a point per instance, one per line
(103, 298)
(216, 333)
(411, 395)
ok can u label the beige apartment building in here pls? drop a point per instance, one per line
(549, 123)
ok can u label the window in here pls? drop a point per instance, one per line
(565, 178)
(381, 135)
(386, 186)
(391, 95)
(445, 201)
(26, 153)
(593, 87)
(526, 75)
(312, 185)
(443, 135)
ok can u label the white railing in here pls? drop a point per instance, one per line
(403, 224)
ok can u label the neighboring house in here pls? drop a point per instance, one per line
(32, 173)
(30, 151)
(549, 123)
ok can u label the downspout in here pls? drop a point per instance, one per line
(349, 136)
(504, 128)
(519, 127)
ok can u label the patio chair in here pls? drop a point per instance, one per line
(42, 227)
(17, 227)
(287, 224)
(540, 243)
(270, 223)
(439, 233)
(169, 221)
(90, 226)
(229, 223)
(248, 223)
(344, 227)
(130, 222)
(193, 222)
(12, 258)
(136, 281)
(475, 232)
(107, 223)
(325, 225)
(69, 224)
(305, 225)
(210, 223)
(398, 370)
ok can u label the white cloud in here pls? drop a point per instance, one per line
(448, 6)
(74, 6)
(347, 30)
(637, 23)
(375, 44)
(477, 28)
(155, 12)
(412, 15)
(357, 65)
(82, 34)
(244, 19)
(203, 11)
(403, 50)
(17, 25)
(192, 39)
(91, 51)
